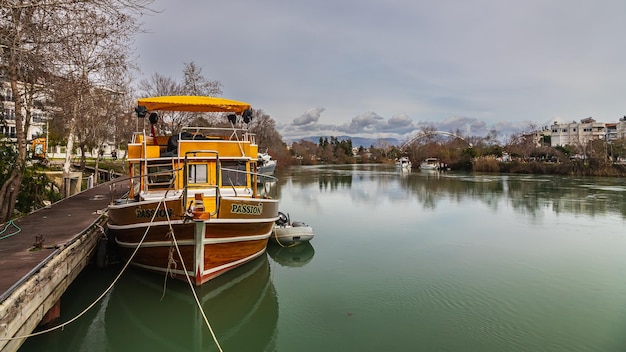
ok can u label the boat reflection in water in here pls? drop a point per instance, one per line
(241, 306)
(295, 256)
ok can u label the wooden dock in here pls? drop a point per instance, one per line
(33, 281)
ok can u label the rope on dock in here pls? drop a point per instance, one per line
(6, 227)
(63, 325)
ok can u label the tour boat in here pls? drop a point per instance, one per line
(194, 208)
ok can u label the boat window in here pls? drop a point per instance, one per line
(197, 173)
(234, 173)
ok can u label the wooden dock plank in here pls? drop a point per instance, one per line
(59, 224)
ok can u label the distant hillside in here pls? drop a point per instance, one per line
(356, 141)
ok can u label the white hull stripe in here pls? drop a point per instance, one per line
(192, 242)
(180, 222)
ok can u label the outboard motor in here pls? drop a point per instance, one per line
(283, 220)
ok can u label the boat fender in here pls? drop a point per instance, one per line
(102, 253)
(298, 224)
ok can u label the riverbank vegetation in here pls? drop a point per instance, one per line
(519, 154)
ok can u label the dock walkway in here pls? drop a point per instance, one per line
(32, 281)
(59, 224)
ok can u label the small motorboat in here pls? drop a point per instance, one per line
(288, 234)
(430, 164)
(404, 163)
(265, 164)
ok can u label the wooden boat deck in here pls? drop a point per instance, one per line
(59, 224)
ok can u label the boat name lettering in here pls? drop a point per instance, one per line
(149, 213)
(246, 209)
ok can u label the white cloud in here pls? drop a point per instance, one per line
(391, 66)
(309, 117)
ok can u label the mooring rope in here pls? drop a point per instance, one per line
(6, 227)
(195, 296)
(63, 325)
(278, 241)
(171, 262)
(191, 286)
(110, 287)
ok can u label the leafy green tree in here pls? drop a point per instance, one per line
(566, 150)
(8, 156)
(35, 189)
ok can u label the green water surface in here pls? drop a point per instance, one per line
(400, 262)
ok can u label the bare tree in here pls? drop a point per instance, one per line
(20, 49)
(267, 136)
(159, 85)
(305, 151)
(194, 83)
(265, 129)
(37, 38)
(86, 58)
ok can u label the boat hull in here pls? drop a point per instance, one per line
(199, 248)
(292, 235)
(430, 164)
(267, 169)
(427, 167)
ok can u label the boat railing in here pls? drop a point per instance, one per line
(239, 134)
(149, 185)
(159, 175)
(257, 178)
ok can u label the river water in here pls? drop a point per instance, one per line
(415, 261)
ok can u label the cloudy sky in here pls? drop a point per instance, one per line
(379, 68)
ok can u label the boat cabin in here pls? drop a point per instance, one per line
(199, 160)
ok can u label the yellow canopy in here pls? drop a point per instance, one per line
(193, 104)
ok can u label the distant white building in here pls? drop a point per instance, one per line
(37, 124)
(615, 131)
(577, 134)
